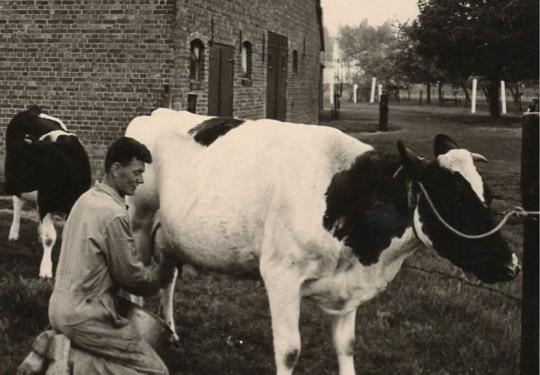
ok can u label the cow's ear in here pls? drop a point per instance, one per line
(411, 163)
(443, 144)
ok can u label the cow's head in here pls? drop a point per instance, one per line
(462, 199)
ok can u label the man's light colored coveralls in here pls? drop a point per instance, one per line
(98, 257)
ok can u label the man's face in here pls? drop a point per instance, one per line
(128, 177)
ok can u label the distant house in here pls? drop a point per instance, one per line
(97, 64)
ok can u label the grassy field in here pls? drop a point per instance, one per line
(424, 323)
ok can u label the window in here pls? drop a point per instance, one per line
(196, 60)
(295, 61)
(246, 59)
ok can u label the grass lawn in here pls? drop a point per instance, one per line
(424, 323)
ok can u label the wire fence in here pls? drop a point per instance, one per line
(464, 281)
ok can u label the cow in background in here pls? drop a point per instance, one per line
(45, 163)
(317, 214)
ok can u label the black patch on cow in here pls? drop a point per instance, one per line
(29, 126)
(291, 358)
(59, 171)
(367, 206)
(208, 131)
(458, 204)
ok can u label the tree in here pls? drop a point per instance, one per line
(371, 48)
(411, 66)
(491, 39)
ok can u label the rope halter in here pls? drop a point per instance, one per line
(518, 212)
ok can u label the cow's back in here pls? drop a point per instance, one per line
(220, 203)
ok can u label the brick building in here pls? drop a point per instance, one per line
(96, 64)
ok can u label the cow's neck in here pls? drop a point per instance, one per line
(368, 206)
(352, 283)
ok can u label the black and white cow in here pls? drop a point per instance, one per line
(43, 162)
(314, 212)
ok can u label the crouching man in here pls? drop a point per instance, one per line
(97, 259)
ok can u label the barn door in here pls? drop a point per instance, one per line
(276, 76)
(220, 80)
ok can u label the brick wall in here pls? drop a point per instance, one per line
(235, 21)
(96, 64)
(93, 63)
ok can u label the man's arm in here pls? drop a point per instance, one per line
(125, 265)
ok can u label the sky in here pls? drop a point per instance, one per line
(352, 12)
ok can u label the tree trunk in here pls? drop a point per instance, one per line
(486, 94)
(467, 96)
(428, 93)
(440, 92)
(493, 98)
(516, 94)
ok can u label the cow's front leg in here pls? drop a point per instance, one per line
(48, 239)
(344, 339)
(16, 222)
(283, 288)
(167, 300)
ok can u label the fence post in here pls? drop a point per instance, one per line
(372, 95)
(503, 97)
(166, 98)
(529, 195)
(383, 113)
(473, 100)
(420, 100)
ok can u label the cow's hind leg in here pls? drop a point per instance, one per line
(48, 239)
(160, 242)
(167, 300)
(283, 288)
(16, 222)
(344, 338)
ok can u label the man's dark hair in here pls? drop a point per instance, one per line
(123, 150)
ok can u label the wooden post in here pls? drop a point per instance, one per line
(355, 93)
(332, 91)
(421, 94)
(336, 105)
(473, 100)
(529, 194)
(379, 92)
(383, 113)
(503, 97)
(166, 98)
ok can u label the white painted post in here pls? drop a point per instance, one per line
(473, 100)
(379, 92)
(355, 89)
(503, 97)
(372, 96)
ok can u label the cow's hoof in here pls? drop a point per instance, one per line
(13, 236)
(45, 275)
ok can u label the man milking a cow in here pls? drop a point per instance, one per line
(98, 259)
